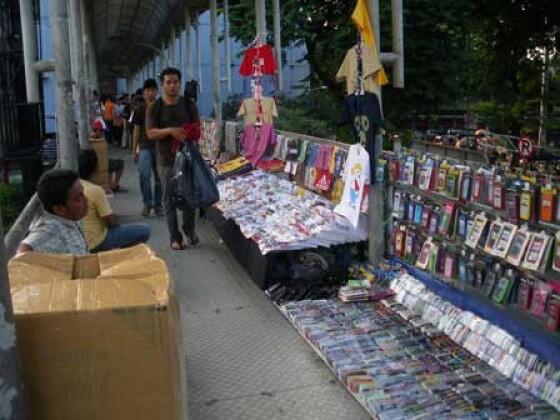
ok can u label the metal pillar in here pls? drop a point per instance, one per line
(76, 47)
(64, 112)
(188, 47)
(181, 59)
(154, 71)
(227, 43)
(398, 43)
(11, 391)
(172, 48)
(278, 41)
(85, 58)
(198, 58)
(29, 38)
(162, 56)
(215, 66)
(376, 229)
(260, 18)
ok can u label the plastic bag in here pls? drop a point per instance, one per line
(193, 183)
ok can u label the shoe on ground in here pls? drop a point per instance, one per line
(158, 211)
(193, 240)
(146, 211)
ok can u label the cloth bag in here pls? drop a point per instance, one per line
(193, 183)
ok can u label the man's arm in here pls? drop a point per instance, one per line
(135, 138)
(155, 133)
(111, 220)
(23, 248)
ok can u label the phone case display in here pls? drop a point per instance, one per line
(474, 235)
(425, 254)
(525, 294)
(494, 233)
(556, 258)
(519, 244)
(541, 294)
(553, 313)
(505, 239)
(536, 251)
(547, 203)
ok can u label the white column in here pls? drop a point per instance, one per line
(398, 43)
(180, 49)
(376, 213)
(198, 58)
(172, 48)
(188, 47)
(29, 40)
(64, 112)
(278, 41)
(227, 43)
(215, 66)
(76, 50)
(260, 17)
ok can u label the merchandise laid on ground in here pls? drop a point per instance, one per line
(279, 216)
(416, 355)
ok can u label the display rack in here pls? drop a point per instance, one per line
(530, 329)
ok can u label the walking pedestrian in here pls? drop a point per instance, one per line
(144, 153)
(164, 121)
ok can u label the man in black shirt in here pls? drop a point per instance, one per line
(144, 152)
(164, 121)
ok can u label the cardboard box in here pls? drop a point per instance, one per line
(99, 336)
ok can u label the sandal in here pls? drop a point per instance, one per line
(177, 246)
(193, 240)
(119, 189)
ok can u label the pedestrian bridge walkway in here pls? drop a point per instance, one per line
(243, 359)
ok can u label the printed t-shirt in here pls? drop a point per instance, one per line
(248, 111)
(263, 56)
(266, 82)
(95, 227)
(256, 140)
(356, 176)
(370, 66)
(363, 112)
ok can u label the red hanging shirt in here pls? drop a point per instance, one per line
(255, 56)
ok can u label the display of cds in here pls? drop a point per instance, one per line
(398, 365)
(280, 216)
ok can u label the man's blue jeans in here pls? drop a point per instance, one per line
(123, 236)
(147, 165)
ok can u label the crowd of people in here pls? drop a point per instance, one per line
(77, 217)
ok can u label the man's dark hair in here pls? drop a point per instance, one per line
(88, 163)
(138, 92)
(150, 84)
(53, 187)
(168, 71)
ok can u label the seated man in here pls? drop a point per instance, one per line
(58, 231)
(109, 171)
(101, 227)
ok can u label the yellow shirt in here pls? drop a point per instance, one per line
(101, 174)
(370, 67)
(95, 227)
(248, 111)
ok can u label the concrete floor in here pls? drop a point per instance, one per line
(243, 359)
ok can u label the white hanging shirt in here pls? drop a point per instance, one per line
(356, 177)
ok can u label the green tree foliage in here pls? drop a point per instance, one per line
(483, 56)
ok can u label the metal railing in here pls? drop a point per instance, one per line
(21, 130)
